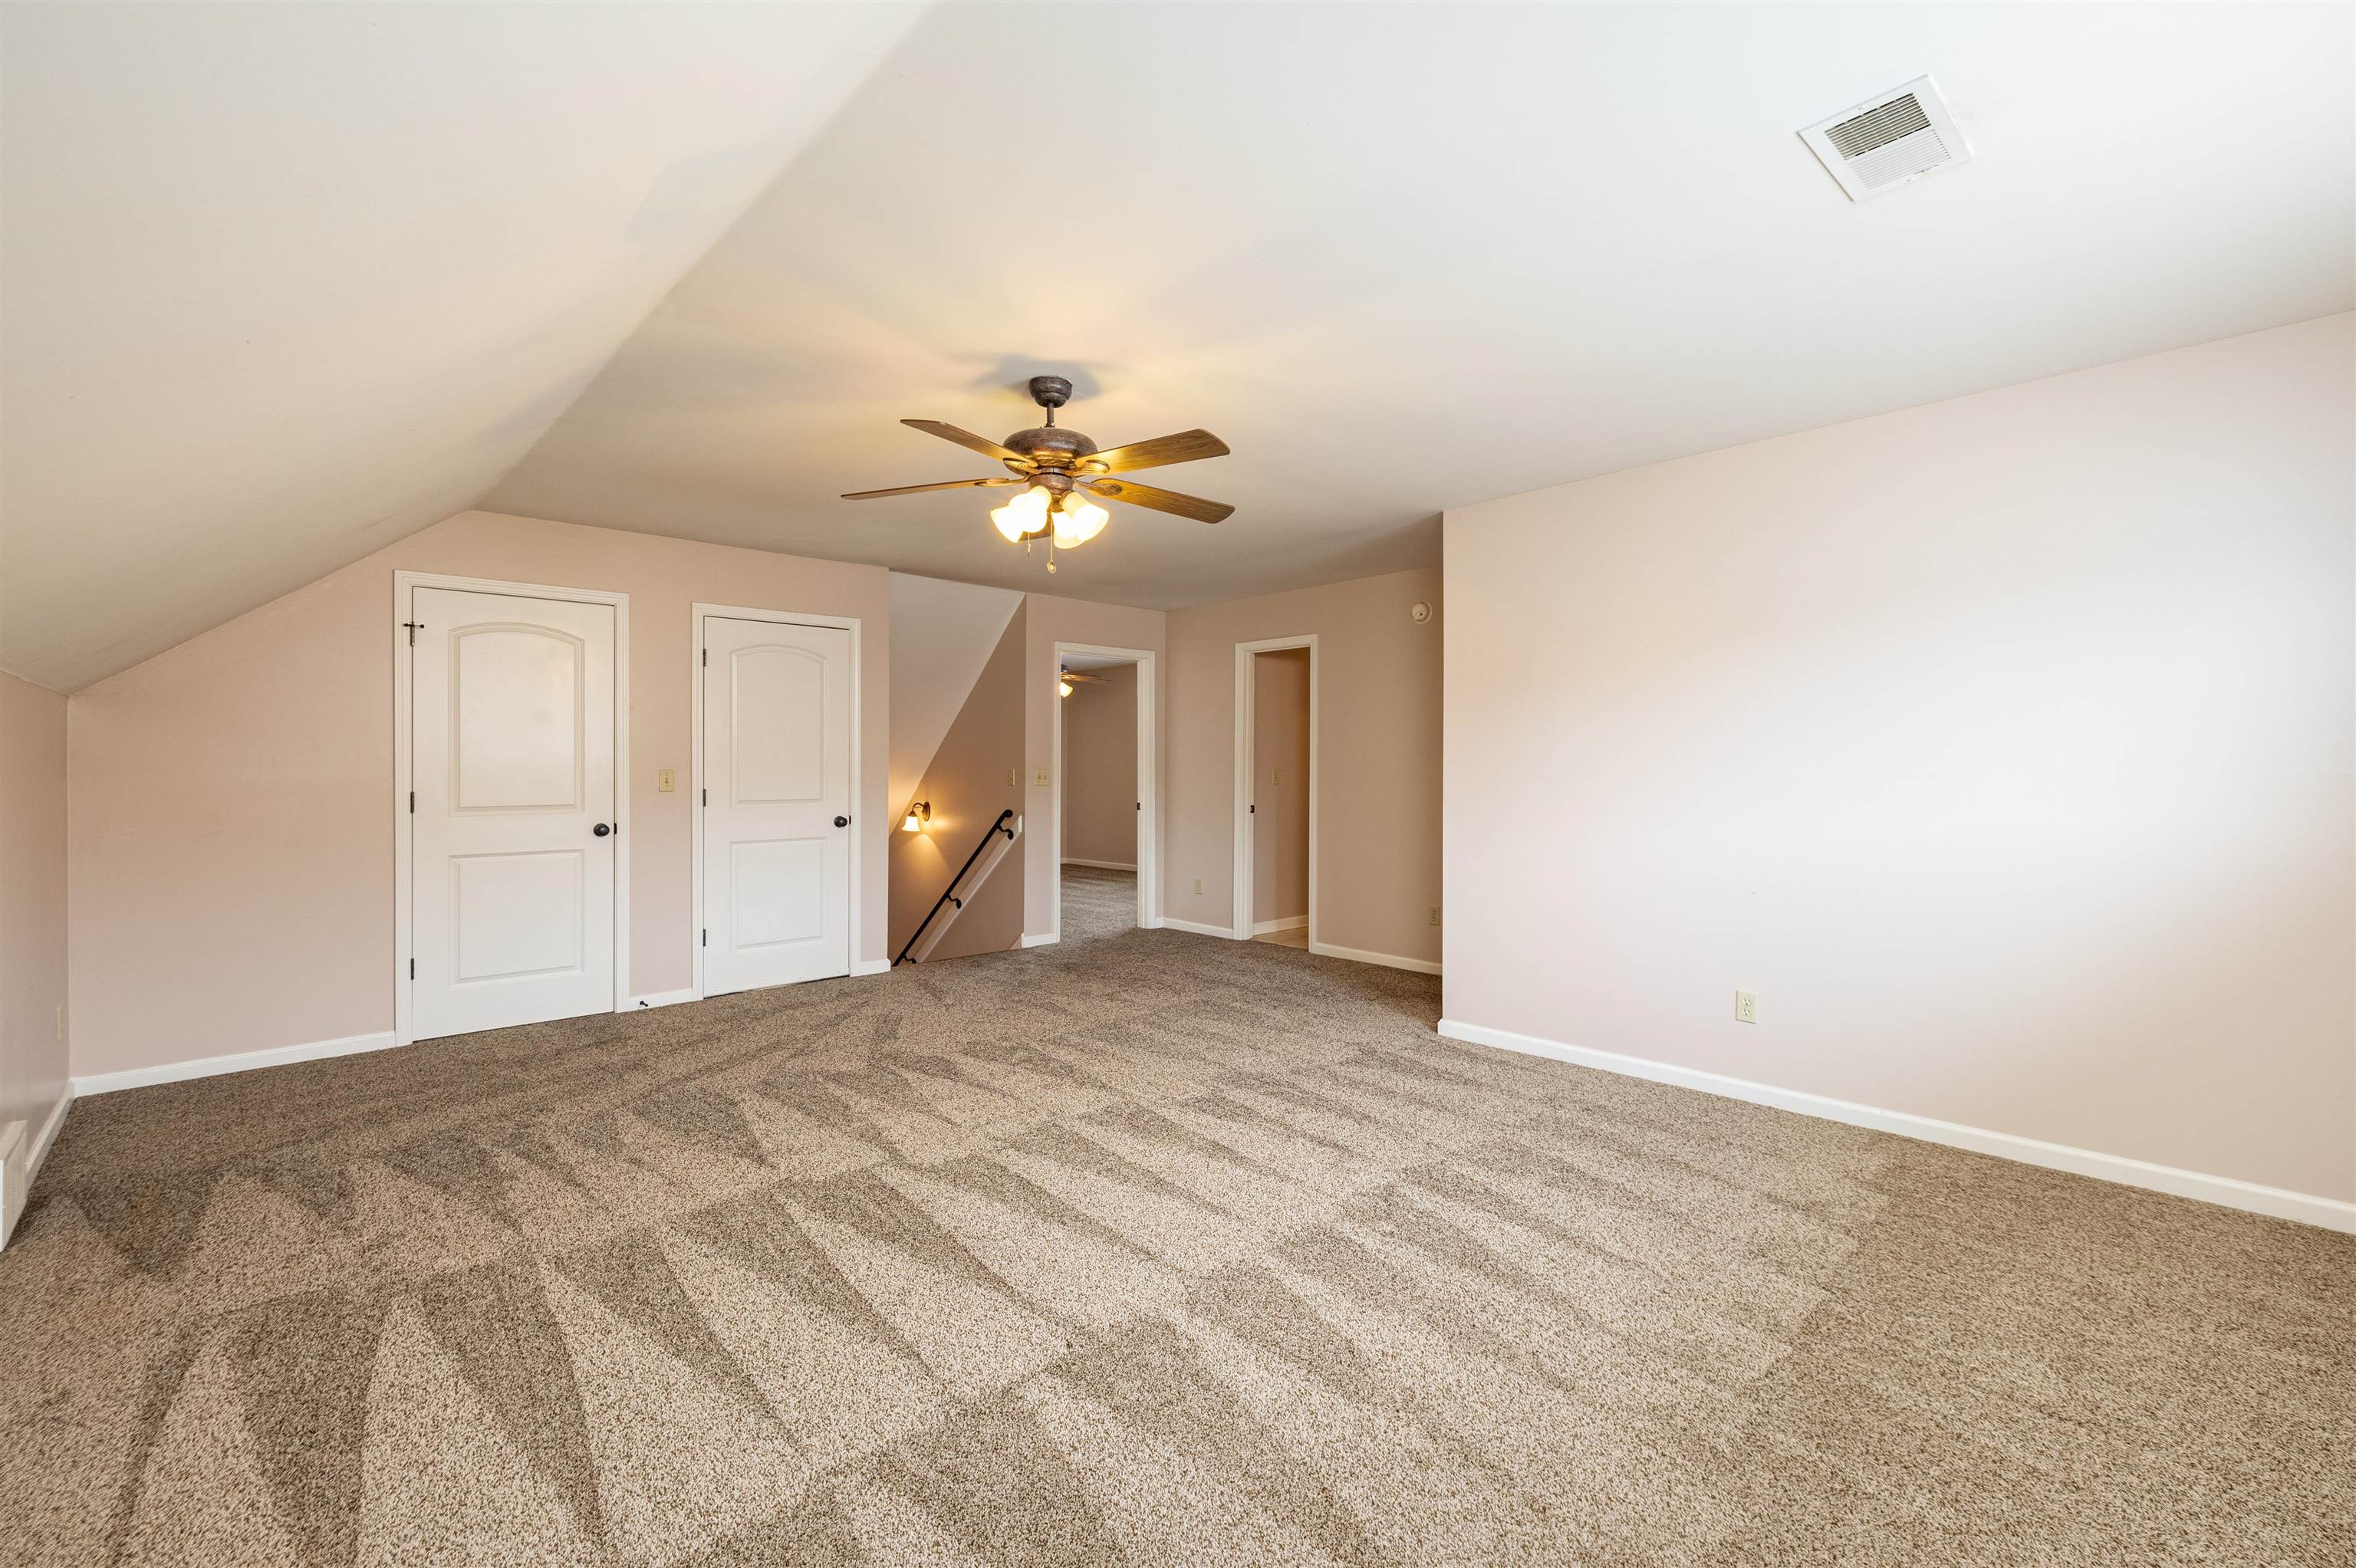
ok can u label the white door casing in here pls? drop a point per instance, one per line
(512, 758)
(775, 776)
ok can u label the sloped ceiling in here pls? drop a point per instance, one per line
(283, 284)
(286, 282)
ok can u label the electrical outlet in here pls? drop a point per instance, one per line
(667, 779)
(1746, 1006)
(1435, 914)
(1198, 884)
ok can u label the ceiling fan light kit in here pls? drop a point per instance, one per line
(1065, 474)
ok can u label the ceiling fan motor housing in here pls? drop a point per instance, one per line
(1050, 446)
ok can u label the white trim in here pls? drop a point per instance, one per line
(2305, 1208)
(1172, 923)
(48, 1136)
(405, 822)
(1149, 806)
(1042, 938)
(1099, 865)
(1245, 873)
(1388, 960)
(242, 1061)
(696, 613)
(1290, 923)
(871, 966)
(665, 999)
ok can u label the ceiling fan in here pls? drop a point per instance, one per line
(1066, 677)
(1062, 469)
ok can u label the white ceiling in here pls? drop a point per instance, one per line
(282, 287)
(286, 282)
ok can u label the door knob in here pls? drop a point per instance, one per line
(601, 830)
(843, 822)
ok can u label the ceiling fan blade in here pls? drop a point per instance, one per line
(966, 438)
(1184, 447)
(1193, 506)
(944, 484)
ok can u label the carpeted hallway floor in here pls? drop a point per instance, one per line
(1145, 1249)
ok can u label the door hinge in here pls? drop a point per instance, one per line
(707, 936)
(707, 797)
(412, 803)
(413, 968)
(707, 658)
(414, 627)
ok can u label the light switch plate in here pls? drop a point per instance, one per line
(1043, 775)
(667, 780)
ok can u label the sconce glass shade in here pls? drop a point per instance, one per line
(918, 815)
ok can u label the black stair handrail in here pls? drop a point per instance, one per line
(997, 826)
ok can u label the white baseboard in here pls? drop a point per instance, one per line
(664, 998)
(1101, 865)
(1290, 923)
(48, 1135)
(1173, 923)
(1042, 939)
(1388, 960)
(2307, 1208)
(22, 1149)
(243, 1062)
(871, 967)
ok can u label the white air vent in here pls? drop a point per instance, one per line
(1886, 141)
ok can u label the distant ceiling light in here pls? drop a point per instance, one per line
(1890, 140)
(1063, 687)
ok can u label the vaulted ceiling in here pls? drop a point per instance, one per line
(283, 284)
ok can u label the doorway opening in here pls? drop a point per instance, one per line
(1104, 792)
(1276, 791)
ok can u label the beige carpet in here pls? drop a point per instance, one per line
(1147, 1249)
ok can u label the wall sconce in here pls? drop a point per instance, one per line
(919, 813)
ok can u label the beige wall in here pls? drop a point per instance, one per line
(1377, 757)
(975, 774)
(231, 822)
(33, 978)
(1099, 793)
(2003, 747)
(1280, 792)
(1053, 620)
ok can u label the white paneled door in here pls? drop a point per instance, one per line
(776, 806)
(514, 837)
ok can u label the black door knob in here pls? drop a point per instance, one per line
(601, 830)
(843, 822)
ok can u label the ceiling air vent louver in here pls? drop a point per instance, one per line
(1888, 139)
